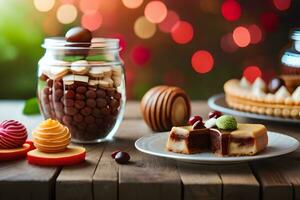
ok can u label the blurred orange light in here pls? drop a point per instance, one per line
(132, 3)
(202, 61)
(169, 22)
(227, 43)
(51, 26)
(255, 34)
(282, 4)
(241, 36)
(43, 5)
(143, 28)
(89, 6)
(66, 13)
(92, 21)
(182, 32)
(231, 10)
(155, 11)
(251, 73)
(67, 1)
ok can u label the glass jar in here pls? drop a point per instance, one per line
(82, 85)
(291, 56)
(290, 62)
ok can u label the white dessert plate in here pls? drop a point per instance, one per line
(155, 144)
(217, 102)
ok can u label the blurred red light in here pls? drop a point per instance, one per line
(140, 55)
(202, 61)
(231, 10)
(182, 32)
(169, 22)
(91, 21)
(251, 73)
(269, 21)
(241, 36)
(155, 11)
(282, 4)
(227, 43)
(255, 34)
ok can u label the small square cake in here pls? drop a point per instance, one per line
(187, 140)
(247, 139)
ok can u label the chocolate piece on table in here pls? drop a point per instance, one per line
(164, 106)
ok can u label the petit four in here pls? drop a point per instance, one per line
(13, 143)
(164, 106)
(276, 99)
(222, 135)
(52, 140)
(13, 134)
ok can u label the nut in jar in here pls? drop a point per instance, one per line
(82, 85)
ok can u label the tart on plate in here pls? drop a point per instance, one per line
(276, 99)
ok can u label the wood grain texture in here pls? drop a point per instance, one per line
(200, 182)
(146, 177)
(105, 179)
(149, 178)
(20, 180)
(75, 182)
(273, 183)
(238, 180)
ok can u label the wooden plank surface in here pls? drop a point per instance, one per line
(273, 183)
(146, 177)
(149, 177)
(76, 182)
(239, 180)
(200, 182)
(22, 181)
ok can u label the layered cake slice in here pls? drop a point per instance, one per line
(187, 140)
(247, 139)
(222, 135)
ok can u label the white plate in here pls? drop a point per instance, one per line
(278, 145)
(217, 102)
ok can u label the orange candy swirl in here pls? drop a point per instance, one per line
(51, 137)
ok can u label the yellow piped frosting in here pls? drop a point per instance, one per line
(50, 136)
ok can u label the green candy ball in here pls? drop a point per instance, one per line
(226, 122)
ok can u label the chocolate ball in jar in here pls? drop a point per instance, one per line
(84, 91)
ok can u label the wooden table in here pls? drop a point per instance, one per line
(147, 177)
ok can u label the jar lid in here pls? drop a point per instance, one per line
(96, 43)
(291, 58)
(295, 35)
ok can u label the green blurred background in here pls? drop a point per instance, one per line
(158, 59)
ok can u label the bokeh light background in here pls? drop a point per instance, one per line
(194, 44)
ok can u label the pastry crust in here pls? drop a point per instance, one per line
(243, 99)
